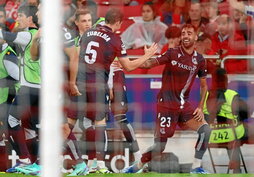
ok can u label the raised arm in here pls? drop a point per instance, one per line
(21, 38)
(237, 5)
(130, 65)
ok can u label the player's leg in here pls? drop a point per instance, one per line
(31, 126)
(3, 152)
(98, 101)
(119, 107)
(204, 132)
(166, 122)
(20, 109)
(88, 133)
(70, 142)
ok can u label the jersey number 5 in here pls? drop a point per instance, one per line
(91, 53)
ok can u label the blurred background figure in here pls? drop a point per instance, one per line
(146, 30)
(225, 106)
(195, 17)
(174, 12)
(173, 34)
(228, 42)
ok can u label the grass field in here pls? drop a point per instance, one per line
(144, 175)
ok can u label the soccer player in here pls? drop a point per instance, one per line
(25, 106)
(183, 64)
(98, 49)
(119, 106)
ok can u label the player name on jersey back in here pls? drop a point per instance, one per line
(99, 34)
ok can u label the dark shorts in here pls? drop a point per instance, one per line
(119, 105)
(167, 119)
(94, 101)
(25, 107)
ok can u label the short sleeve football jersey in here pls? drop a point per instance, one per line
(178, 76)
(98, 48)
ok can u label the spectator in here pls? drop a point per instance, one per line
(173, 34)
(247, 9)
(145, 30)
(227, 42)
(224, 106)
(173, 12)
(203, 44)
(11, 8)
(32, 2)
(130, 3)
(212, 14)
(2, 18)
(195, 17)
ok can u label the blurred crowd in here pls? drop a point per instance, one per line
(223, 30)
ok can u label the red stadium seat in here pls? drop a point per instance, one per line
(132, 11)
(126, 23)
(102, 9)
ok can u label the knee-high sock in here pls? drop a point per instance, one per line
(101, 141)
(33, 147)
(90, 139)
(157, 148)
(72, 147)
(128, 132)
(202, 143)
(3, 156)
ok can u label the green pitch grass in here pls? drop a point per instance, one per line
(144, 175)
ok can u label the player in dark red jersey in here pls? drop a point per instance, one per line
(99, 47)
(183, 64)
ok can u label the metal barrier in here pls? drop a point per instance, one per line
(237, 57)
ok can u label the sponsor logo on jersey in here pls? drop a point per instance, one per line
(183, 66)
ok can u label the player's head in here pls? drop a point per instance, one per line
(219, 79)
(27, 16)
(224, 24)
(188, 36)
(83, 20)
(114, 17)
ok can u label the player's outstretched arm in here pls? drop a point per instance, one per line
(130, 65)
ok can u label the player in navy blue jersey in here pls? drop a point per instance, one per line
(183, 64)
(98, 49)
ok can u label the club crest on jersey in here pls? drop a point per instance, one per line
(173, 62)
(194, 61)
(162, 130)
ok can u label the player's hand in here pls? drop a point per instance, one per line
(116, 64)
(74, 90)
(198, 114)
(151, 50)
